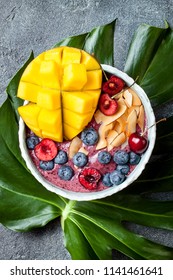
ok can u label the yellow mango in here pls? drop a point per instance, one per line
(74, 77)
(54, 55)
(56, 136)
(51, 123)
(94, 79)
(49, 74)
(36, 130)
(78, 121)
(71, 55)
(29, 114)
(70, 132)
(65, 85)
(89, 61)
(95, 96)
(28, 91)
(79, 102)
(49, 99)
(32, 72)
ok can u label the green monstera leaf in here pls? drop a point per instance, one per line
(97, 227)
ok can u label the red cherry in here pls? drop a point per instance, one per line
(113, 85)
(137, 143)
(46, 150)
(107, 105)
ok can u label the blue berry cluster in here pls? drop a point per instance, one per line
(122, 159)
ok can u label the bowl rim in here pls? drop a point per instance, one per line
(86, 196)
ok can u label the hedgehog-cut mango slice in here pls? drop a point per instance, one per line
(62, 87)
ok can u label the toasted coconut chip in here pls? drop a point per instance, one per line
(111, 136)
(131, 122)
(83, 150)
(136, 100)
(128, 97)
(101, 118)
(103, 132)
(74, 147)
(118, 141)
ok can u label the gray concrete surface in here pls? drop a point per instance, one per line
(37, 25)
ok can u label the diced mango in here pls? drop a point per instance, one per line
(49, 74)
(79, 102)
(56, 136)
(36, 130)
(71, 55)
(89, 61)
(54, 55)
(50, 120)
(49, 99)
(95, 96)
(29, 114)
(94, 79)
(70, 132)
(65, 85)
(74, 77)
(78, 121)
(28, 91)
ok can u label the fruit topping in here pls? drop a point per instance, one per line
(134, 158)
(46, 165)
(113, 85)
(116, 177)
(62, 86)
(137, 143)
(32, 141)
(106, 180)
(61, 157)
(107, 105)
(89, 136)
(80, 159)
(89, 178)
(123, 168)
(65, 172)
(46, 150)
(104, 157)
(121, 157)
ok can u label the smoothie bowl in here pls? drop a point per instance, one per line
(86, 130)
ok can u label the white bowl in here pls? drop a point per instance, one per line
(112, 190)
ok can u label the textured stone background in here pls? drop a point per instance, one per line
(37, 25)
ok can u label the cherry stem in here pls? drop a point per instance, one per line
(115, 95)
(161, 120)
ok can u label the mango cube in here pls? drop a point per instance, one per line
(51, 123)
(49, 75)
(74, 77)
(49, 98)
(63, 86)
(29, 114)
(89, 61)
(79, 102)
(94, 79)
(28, 91)
(71, 55)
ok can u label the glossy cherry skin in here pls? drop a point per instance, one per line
(137, 143)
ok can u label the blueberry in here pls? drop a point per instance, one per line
(104, 157)
(46, 165)
(80, 159)
(134, 158)
(123, 168)
(65, 172)
(61, 157)
(31, 142)
(116, 177)
(89, 136)
(106, 180)
(121, 157)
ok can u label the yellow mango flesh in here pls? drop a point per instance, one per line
(62, 87)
